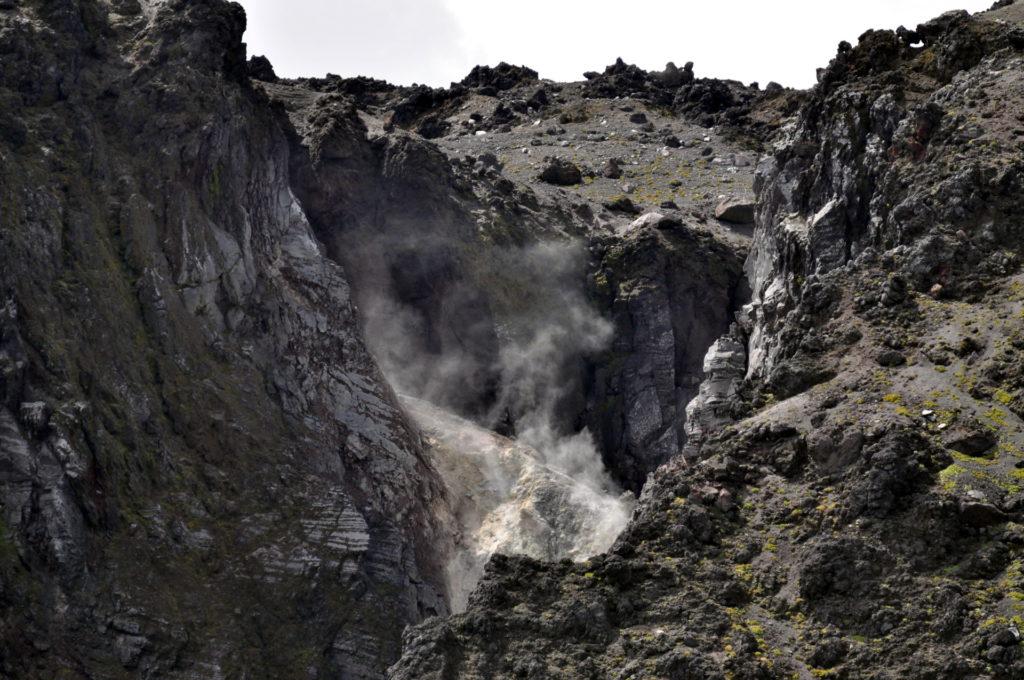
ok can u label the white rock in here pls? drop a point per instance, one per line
(649, 219)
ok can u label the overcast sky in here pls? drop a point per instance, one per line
(439, 41)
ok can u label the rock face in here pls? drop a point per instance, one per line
(814, 220)
(462, 264)
(669, 291)
(213, 278)
(725, 366)
(501, 77)
(382, 205)
(203, 471)
(708, 100)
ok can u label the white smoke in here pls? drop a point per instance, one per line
(506, 499)
(545, 493)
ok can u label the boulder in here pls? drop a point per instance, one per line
(433, 127)
(501, 77)
(673, 76)
(735, 211)
(656, 220)
(488, 160)
(890, 358)
(970, 441)
(980, 513)
(561, 173)
(539, 99)
(611, 169)
(622, 204)
(260, 68)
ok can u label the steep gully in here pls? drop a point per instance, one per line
(537, 355)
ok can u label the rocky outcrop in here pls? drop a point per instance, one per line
(716, 403)
(501, 77)
(202, 470)
(885, 155)
(669, 290)
(260, 68)
(709, 101)
(458, 271)
(735, 211)
(664, 602)
(212, 278)
(560, 172)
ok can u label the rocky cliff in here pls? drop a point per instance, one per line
(204, 473)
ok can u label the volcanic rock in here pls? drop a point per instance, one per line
(561, 172)
(735, 211)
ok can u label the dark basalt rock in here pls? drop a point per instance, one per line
(618, 80)
(673, 76)
(433, 127)
(981, 514)
(612, 169)
(561, 172)
(422, 100)
(260, 68)
(708, 101)
(206, 273)
(622, 204)
(498, 78)
(976, 441)
(735, 211)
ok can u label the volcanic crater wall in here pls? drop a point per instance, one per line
(204, 472)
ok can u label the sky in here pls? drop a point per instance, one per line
(438, 41)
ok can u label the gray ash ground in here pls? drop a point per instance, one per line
(667, 164)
